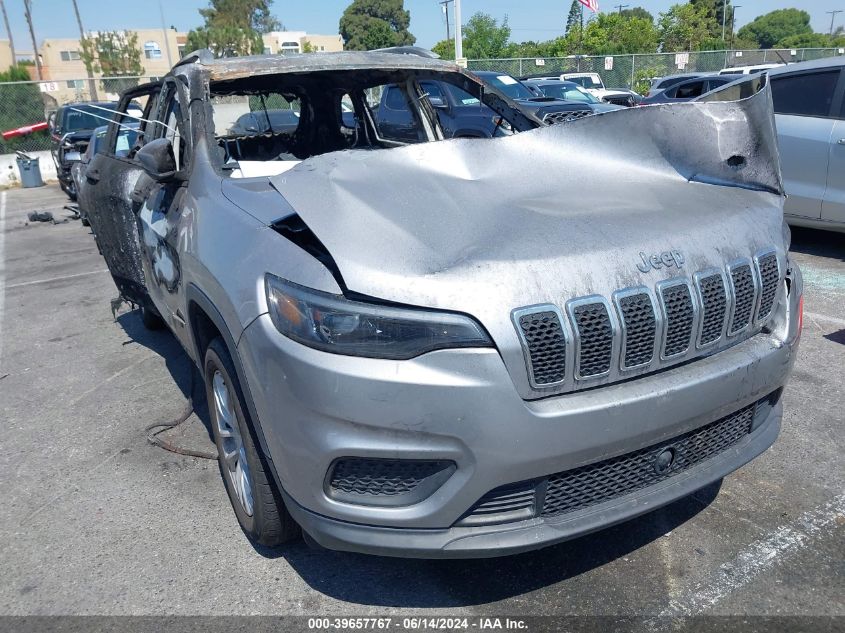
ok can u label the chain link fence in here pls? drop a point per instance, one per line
(636, 71)
(24, 104)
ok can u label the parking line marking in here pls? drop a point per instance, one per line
(62, 278)
(758, 557)
(2, 268)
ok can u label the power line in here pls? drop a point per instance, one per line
(621, 6)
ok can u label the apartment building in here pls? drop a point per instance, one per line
(5, 55)
(295, 42)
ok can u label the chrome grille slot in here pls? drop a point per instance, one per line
(640, 326)
(742, 280)
(714, 302)
(680, 318)
(769, 275)
(594, 338)
(544, 339)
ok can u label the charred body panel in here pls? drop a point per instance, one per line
(452, 449)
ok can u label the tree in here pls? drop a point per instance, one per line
(484, 38)
(575, 20)
(234, 27)
(685, 27)
(115, 55)
(637, 12)
(368, 24)
(769, 29)
(812, 40)
(445, 48)
(716, 9)
(614, 34)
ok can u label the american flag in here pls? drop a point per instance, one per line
(592, 5)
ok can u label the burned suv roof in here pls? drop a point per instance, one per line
(221, 69)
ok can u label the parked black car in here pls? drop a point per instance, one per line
(71, 127)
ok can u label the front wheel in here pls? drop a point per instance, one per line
(254, 497)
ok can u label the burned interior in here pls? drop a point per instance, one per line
(287, 117)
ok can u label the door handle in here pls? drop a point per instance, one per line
(93, 175)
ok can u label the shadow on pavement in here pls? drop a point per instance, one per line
(819, 243)
(378, 581)
(181, 368)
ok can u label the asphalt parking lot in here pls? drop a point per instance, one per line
(97, 520)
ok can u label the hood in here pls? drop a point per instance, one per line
(485, 227)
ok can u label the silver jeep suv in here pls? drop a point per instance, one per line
(439, 348)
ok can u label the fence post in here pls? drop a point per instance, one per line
(520, 67)
(633, 63)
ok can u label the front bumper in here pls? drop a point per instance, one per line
(461, 406)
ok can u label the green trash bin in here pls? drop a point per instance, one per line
(30, 171)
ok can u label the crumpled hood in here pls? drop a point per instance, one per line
(543, 216)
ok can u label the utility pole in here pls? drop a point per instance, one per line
(832, 17)
(733, 22)
(445, 4)
(9, 33)
(724, 13)
(92, 84)
(459, 44)
(621, 6)
(166, 35)
(27, 12)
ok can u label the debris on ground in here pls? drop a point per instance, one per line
(40, 216)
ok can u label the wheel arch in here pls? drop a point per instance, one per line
(206, 323)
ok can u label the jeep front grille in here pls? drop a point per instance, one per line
(554, 118)
(679, 318)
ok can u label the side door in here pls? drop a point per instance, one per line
(109, 180)
(833, 205)
(803, 104)
(160, 215)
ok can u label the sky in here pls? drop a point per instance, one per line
(534, 20)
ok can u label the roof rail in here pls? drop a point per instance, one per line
(200, 55)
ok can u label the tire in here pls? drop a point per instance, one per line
(264, 518)
(150, 317)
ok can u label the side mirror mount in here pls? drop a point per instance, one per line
(158, 160)
(437, 102)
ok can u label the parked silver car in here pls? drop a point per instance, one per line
(809, 102)
(467, 347)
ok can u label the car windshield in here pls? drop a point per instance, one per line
(587, 81)
(83, 117)
(570, 93)
(509, 86)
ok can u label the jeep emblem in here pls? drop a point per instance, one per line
(660, 260)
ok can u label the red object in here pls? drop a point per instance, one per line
(592, 5)
(800, 315)
(26, 129)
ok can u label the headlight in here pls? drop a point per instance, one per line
(335, 324)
